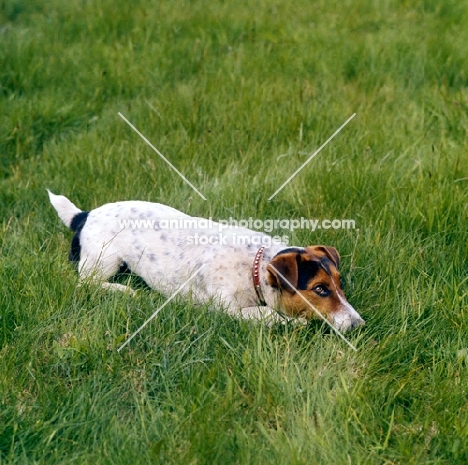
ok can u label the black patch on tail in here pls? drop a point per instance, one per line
(76, 225)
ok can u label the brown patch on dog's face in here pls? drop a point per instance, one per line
(314, 273)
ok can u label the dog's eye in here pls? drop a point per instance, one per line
(322, 291)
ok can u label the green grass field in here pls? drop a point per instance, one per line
(237, 95)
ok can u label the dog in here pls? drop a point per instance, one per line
(256, 277)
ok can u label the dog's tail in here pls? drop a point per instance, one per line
(66, 210)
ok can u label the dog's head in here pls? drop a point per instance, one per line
(312, 272)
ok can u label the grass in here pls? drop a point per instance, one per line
(237, 95)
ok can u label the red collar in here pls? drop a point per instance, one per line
(256, 276)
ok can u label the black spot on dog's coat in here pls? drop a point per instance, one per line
(78, 221)
(76, 225)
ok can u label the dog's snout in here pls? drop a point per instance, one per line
(357, 322)
(347, 319)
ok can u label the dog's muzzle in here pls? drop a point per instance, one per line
(346, 319)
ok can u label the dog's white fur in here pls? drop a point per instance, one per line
(165, 259)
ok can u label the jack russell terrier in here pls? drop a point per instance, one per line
(251, 280)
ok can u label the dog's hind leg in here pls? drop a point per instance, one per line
(118, 287)
(99, 270)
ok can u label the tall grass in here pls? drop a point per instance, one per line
(237, 95)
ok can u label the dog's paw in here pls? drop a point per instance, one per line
(119, 287)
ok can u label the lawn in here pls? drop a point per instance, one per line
(237, 95)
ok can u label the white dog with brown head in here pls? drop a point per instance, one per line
(251, 279)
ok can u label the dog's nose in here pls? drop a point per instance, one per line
(345, 321)
(355, 323)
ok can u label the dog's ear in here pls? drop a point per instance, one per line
(283, 272)
(330, 252)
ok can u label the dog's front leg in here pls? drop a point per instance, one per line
(263, 314)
